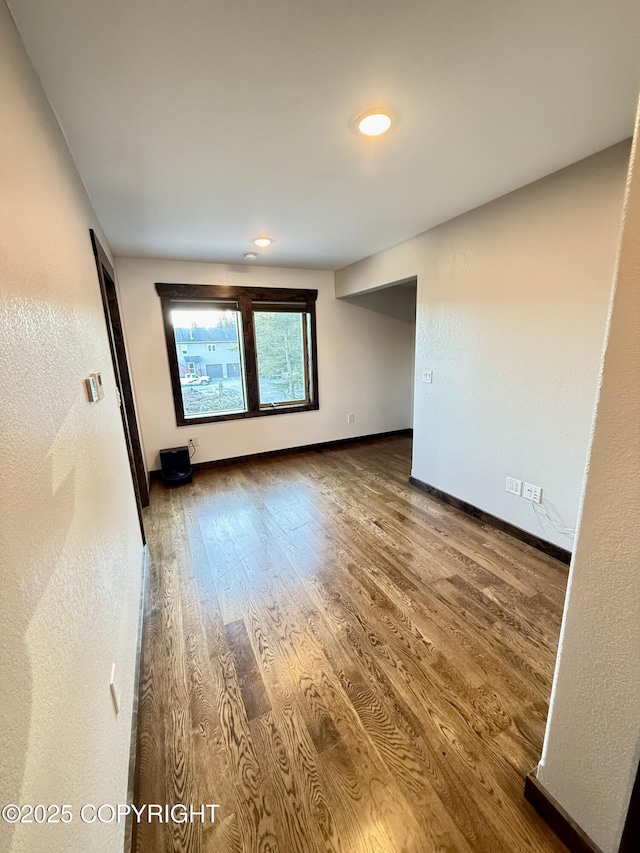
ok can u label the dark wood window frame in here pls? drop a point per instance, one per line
(246, 300)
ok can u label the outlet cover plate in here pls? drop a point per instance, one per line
(514, 486)
(532, 493)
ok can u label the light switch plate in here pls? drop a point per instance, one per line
(92, 389)
(97, 378)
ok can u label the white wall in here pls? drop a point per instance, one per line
(592, 744)
(399, 301)
(512, 304)
(364, 364)
(69, 542)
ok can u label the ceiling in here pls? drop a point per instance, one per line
(197, 125)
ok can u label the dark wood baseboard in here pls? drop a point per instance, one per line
(557, 818)
(302, 448)
(535, 541)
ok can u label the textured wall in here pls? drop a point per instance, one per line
(592, 745)
(512, 305)
(69, 541)
(364, 364)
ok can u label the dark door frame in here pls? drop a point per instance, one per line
(107, 279)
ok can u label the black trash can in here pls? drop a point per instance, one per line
(176, 466)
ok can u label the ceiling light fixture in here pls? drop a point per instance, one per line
(373, 122)
(250, 256)
(263, 242)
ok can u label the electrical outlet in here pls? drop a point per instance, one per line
(514, 486)
(532, 493)
(351, 418)
(115, 696)
(194, 441)
(427, 376)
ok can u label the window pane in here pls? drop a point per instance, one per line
(281, 353)
(208, 343)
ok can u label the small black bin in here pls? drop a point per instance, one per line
(176, 466)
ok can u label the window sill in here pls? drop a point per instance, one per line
(235, 416)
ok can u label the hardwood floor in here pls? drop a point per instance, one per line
(341, 663)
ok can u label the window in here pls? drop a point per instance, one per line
(280, 348)
(269, 340)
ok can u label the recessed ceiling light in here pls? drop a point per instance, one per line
(263, 241)
(373, 123)
(250, 256)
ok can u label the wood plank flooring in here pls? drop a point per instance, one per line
(341, 663)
